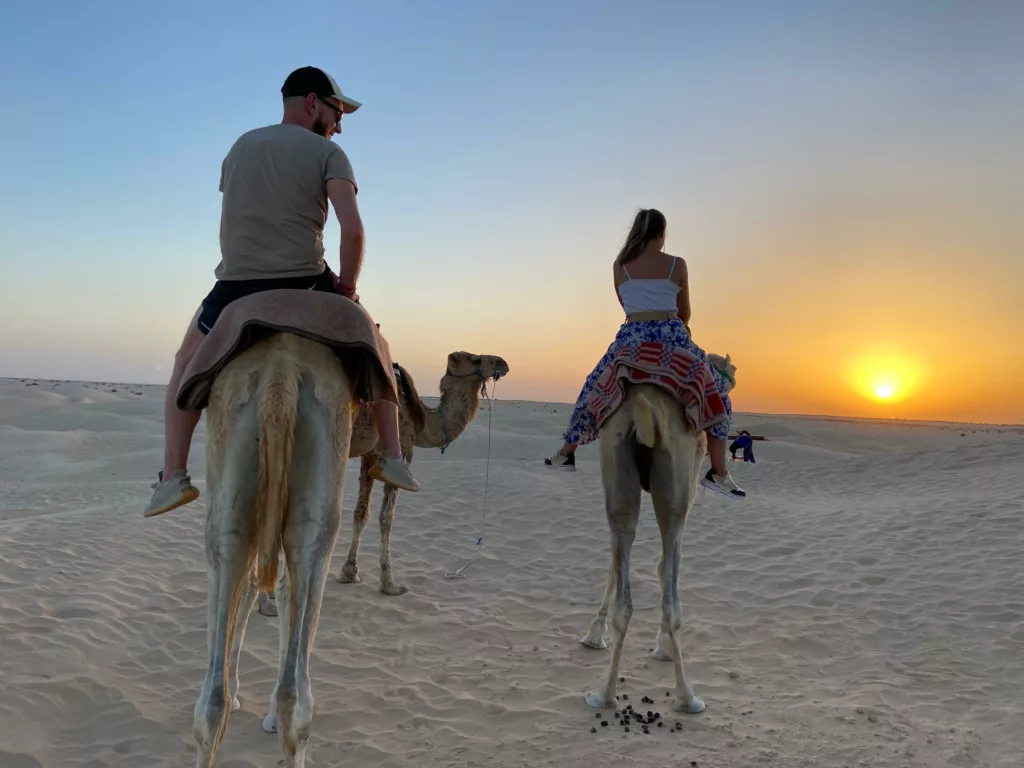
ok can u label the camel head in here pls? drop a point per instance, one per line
(464, 365)
(725, 367)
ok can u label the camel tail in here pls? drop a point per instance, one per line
(276, 412)
(650, 418)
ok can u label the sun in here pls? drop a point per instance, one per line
(884, 376)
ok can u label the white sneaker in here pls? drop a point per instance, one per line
(564, 463)
(394, 471)
(170, 494)
(724, 485)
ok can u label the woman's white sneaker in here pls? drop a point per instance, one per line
(564, 463)
(723, 484)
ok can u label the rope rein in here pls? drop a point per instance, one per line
(461, 572)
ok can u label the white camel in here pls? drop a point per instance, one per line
(279, 422)
(646, 445)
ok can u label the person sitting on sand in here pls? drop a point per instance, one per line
(276, 182)
(652, 288)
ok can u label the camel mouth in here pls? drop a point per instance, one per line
(501, 369)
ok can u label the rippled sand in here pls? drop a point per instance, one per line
(865, 607)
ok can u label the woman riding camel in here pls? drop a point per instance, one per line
(652, 288)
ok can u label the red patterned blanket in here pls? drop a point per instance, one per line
(676, 370)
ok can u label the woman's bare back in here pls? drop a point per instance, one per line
(650, 265)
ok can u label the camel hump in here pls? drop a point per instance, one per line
(417, 411)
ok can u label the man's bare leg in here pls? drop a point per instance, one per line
(391, 467)
(174, 487)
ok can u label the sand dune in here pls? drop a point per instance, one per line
(865, 607)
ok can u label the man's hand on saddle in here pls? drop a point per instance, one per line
(344, 290)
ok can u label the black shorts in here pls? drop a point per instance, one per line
(226, 291)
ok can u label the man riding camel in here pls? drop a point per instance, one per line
(276, 182)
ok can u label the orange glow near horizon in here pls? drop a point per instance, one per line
(889, 377)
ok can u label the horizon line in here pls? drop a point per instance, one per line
(820, 416)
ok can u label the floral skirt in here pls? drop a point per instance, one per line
(657, 352)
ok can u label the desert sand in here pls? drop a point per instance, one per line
(864, 607)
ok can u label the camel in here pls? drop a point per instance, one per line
(279, 422)
(421, 427)
(646, 445)
(460, 388)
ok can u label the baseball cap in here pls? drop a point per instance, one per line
(307, 80)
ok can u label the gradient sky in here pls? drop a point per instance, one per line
(844, 179)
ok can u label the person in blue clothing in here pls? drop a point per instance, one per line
(745, 442)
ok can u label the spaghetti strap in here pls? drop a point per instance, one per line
(627, 272)
(672, 268)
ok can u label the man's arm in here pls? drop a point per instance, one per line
(342, 194)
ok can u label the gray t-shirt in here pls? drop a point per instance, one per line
(274, 206)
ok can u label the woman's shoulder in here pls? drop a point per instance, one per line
(678, 269)
(677, 261)
(617, 270)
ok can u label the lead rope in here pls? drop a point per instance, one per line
(460, 574)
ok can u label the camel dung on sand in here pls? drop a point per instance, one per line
(647, 445)
(279, 423)
(420, 427)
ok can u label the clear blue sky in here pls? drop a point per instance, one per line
(501, 153)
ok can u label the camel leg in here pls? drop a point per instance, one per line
(228, 544)
(621, 480)
(350, 570)
(595, 637)
(293, 697)
(660, 652)
(244, 610)
(226, 583)
(621, 613)
(673, 496)
(387, 521)
(309, 537)
(672, 619)
(284, 632)
(598, 627)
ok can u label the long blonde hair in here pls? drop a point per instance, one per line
(648, 225)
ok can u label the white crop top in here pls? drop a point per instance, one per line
(657, 294)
